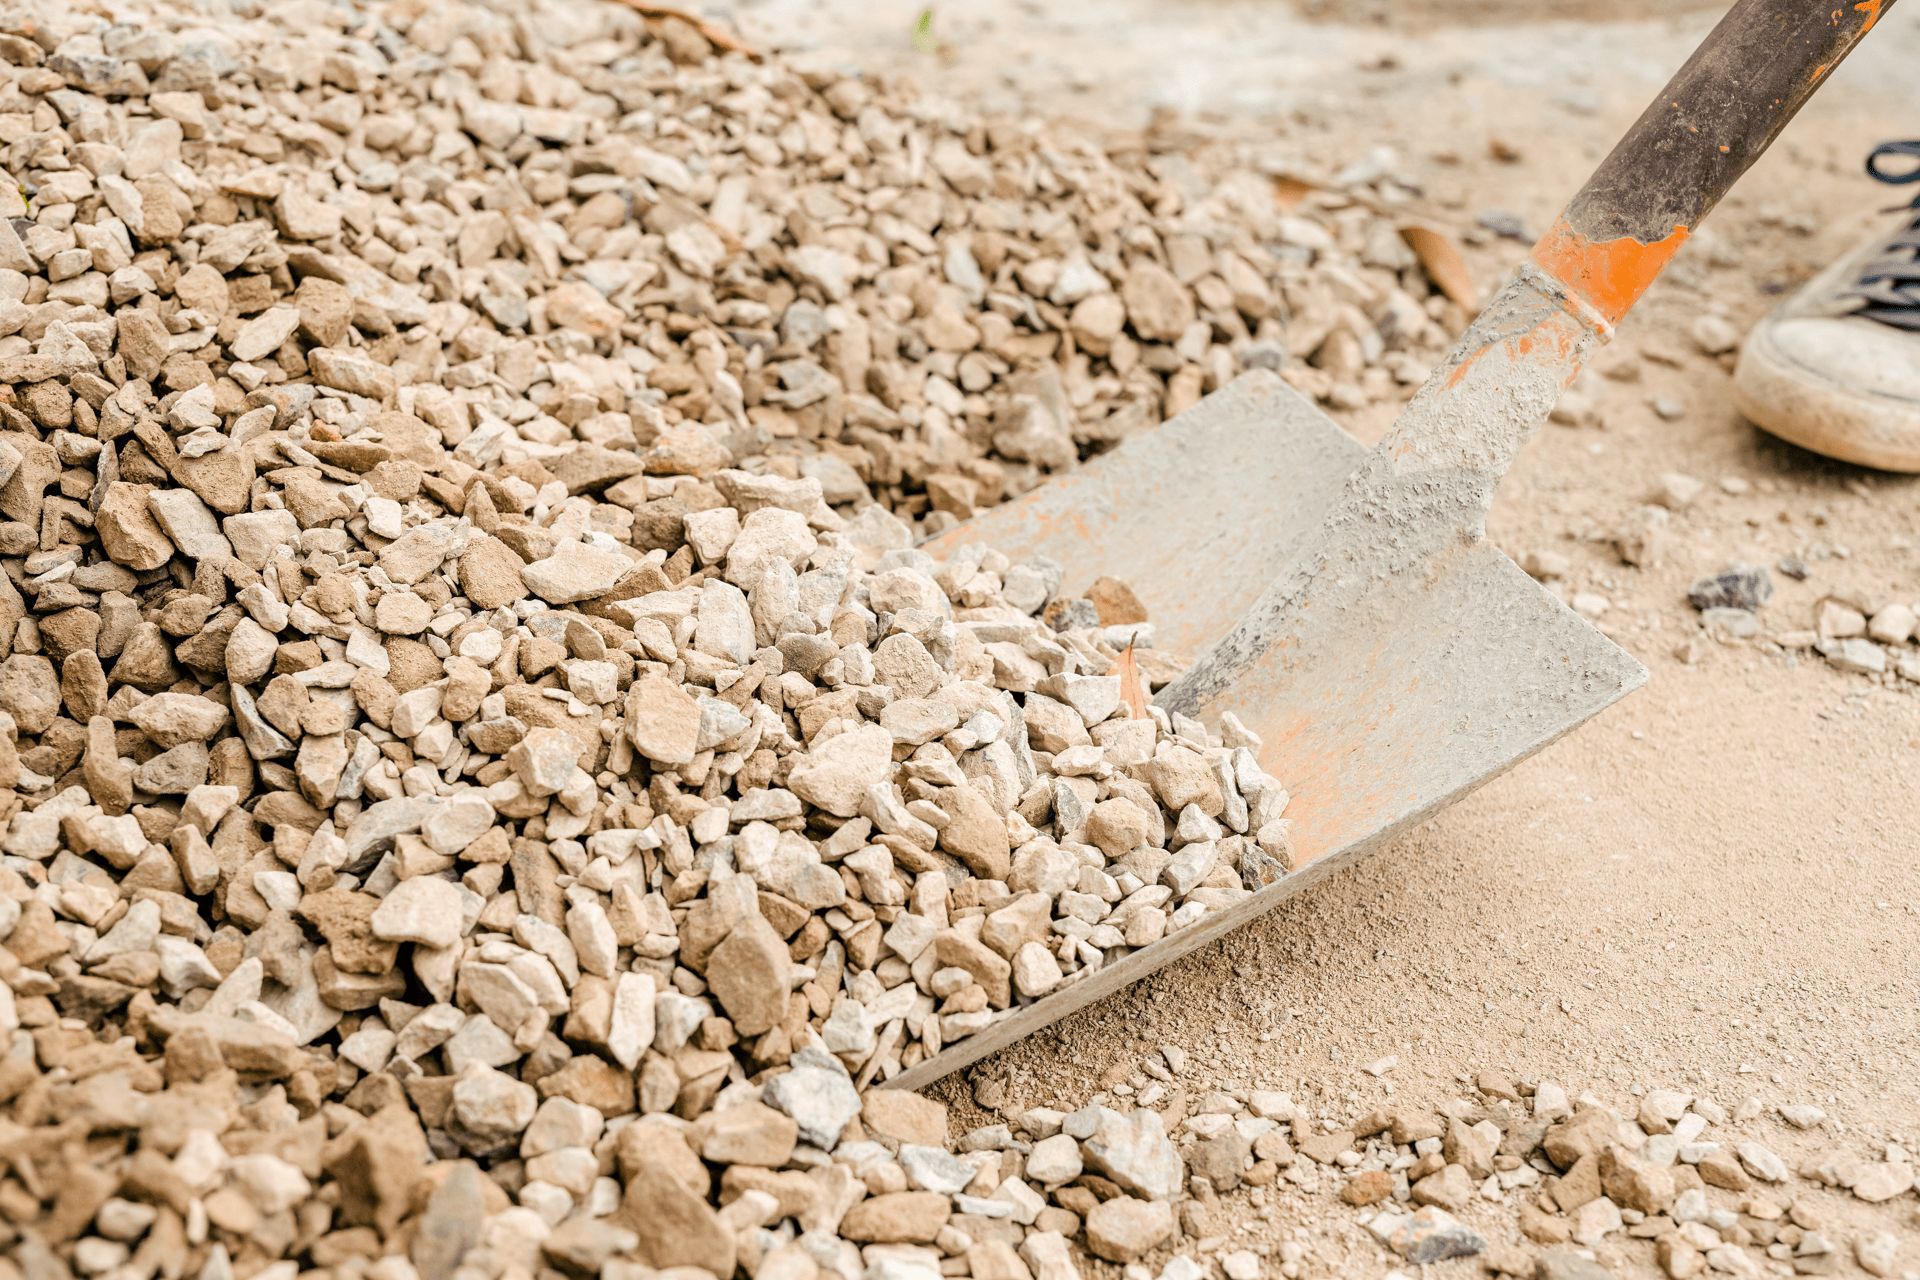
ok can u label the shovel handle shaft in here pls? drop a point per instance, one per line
(1716, 116)
(1714, 119)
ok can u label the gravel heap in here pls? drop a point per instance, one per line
(569, 245)
(486, 785)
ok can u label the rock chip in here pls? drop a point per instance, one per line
(1132, 1150)
(1737, 587)
(1428, 1235)
(424, 909)
(898, 1217)
(676, 1227)
(749, 973)
(899, 1116)
(820, 1098)
(835, 774)
(1124, 1229)
(575, 571)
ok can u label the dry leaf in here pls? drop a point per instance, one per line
(1441, 259)
(717, 36)
(1289, 191)
(1131, 691)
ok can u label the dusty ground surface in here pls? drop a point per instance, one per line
(1712, 886)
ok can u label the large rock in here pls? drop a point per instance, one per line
(424, 909)
(900, 1217)
(1131, 1149)
(1124, 1229)
(663, 720)
(750, 974)
(836, 773)
(816, 1092)
(676, 1227)
(575, 571)
(898, 1116)
(975, 833)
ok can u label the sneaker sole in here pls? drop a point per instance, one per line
(1801, 405)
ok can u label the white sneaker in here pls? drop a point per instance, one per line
(1836, 367)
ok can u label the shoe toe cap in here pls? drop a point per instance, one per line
(1839, 385)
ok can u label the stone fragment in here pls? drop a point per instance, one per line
(128, 532)
(749, 973)
(377, 1163)
(189, 523)
(632, 1024)
(751, 1133)
(1428, 1235)
(1737, 587)
(835, 774)
(675, 1226)
(975, 832)
(264, 333)
(1878, 1254)
(450, 1226)
(1883, 1181)
(904, 1117)
(899, 1217)
(490, 1109)
(1760, 1161)
(1132, 1150)
(1368, 1187)
(663, 720)
(1124, 1229)
(1633, 1183)
(424, 909)
(173, 719)
(820, 1098)
(1568, 1263)
(1158, 307)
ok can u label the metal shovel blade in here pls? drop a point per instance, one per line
(1419, 680)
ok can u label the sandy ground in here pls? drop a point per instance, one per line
(1711, 887)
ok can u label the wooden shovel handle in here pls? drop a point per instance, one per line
(1716, 116)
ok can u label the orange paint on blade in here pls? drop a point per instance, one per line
(1607, 275)
(1520, 348)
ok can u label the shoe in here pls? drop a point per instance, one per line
(1836, 367)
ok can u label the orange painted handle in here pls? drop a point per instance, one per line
(1607, 275)
(1717, 115)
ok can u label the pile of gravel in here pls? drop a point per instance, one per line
(486, 781)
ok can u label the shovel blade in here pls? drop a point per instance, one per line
(1452, 673)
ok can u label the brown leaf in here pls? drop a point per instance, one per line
(1441, 260)
(717, 36)
(1289, 191)
(1132, 692)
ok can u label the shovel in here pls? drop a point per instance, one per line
(1346, 604)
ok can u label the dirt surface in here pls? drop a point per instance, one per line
(1711, 886)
